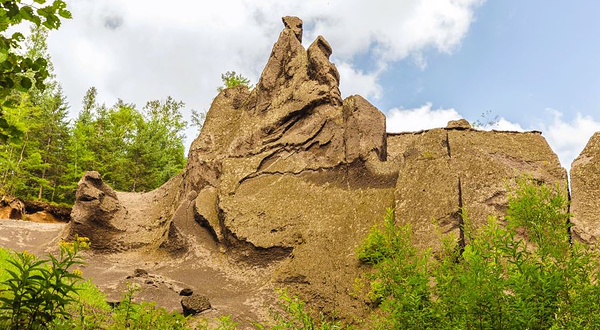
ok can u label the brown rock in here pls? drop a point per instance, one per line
(444, 170)
(427, 189)
(117, 221)
(206, 211)
(96, 206)
(289, 179)
(194, 304)
(186, 292)
(42, 217)
(460, 123)
(585, 193)
(364, 132)
(11, 208)
(294, 24)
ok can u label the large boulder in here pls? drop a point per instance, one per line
(585, 193)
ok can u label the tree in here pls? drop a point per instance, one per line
(34, 163)
(231, 79)
(18, 72)
(134, 150)
(198, 119)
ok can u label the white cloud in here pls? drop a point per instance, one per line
(568, 138)
(140, 50)
(407, 120)
(502, 125)
(355, 81)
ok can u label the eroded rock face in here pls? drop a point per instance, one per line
(444, 170)
(11, 208)
(585, 193)
(118, 221)
(290, 177)
(94, 212)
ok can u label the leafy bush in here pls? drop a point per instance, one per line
(231, 79)
(519, 273)
(38, 290)
(33, 287)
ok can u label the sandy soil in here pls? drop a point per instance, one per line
(233, 288)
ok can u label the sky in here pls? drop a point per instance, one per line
(511, 64)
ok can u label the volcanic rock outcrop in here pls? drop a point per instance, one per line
(585, 193)
(442, 171)
(289, 176)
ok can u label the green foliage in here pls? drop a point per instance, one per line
(521, 273)
(37, 291)
(296, 316)
(20, 72)
(134, 150)
(231, 79)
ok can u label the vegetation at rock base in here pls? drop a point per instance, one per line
(37, 291)
(520, 273)
(48, 293)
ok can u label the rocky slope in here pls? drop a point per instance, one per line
(286, 180)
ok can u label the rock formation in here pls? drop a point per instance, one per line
(118, 221)
(291, 177)
(585, 193)
(442, 171)
(11, 208)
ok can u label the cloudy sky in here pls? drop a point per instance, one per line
(529, 64)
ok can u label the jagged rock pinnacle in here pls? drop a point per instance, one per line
(295, 24)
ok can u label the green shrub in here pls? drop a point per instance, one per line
(37, 291)
(519, 273)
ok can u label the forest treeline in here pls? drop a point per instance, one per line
(134, 149)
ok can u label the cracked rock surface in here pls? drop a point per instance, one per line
(585, 193)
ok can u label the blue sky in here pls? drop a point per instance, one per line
(518, 59)
(532, 63)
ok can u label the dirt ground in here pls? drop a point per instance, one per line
(233, 288)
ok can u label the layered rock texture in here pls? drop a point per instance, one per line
(289, 178)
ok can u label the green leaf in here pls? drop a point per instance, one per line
(3, 54)
(65, 13)
(25, 83)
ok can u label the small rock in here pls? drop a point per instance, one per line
(194, 304)
(186, 292)
(461, 123)
(149, 282)
(138, 272)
